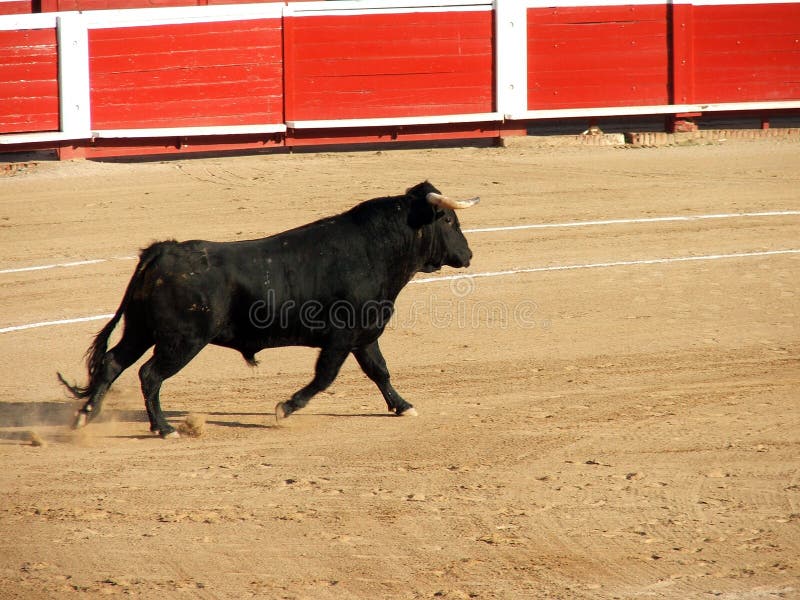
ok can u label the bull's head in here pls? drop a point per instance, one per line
(433, 216)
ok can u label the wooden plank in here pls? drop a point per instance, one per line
(190, 36)
(188, 113)
(25, 90)
(164, 60)
(261, 101)
(19, 7)
(426, 27)
(388, 49)
(586, 96)
(366, 67)
(622, 57)
(172, 80)
(26, 38)
(15, 71)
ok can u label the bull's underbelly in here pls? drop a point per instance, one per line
(250, 343)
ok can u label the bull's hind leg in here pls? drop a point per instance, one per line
(371, 360)
(329, 362)
(166, 361)
(115, 361)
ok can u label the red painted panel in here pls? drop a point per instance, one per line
(746, 53)
(597, 56)
(202, 74)
(28, 81)
(396, 65)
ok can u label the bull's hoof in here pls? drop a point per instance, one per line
(81, 419)
(409, 412)
(170, 435)
(281, 412)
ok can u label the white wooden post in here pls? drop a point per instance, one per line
(73, 76)
(511, 56)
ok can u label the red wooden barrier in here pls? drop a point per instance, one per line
(247, 75)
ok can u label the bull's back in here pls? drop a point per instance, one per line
(272, 291)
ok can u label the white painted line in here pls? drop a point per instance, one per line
(50, 323)
(622, 263)
(772, 213)
(77, 263)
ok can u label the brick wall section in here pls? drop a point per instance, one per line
(651, 139)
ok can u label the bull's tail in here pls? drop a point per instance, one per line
(95, 355)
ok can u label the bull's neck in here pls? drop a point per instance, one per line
(406, 250)
(411, 250)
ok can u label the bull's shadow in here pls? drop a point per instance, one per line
(29, 415)
(58, 413)
(32, 414)
(20, 415)
(379, 415)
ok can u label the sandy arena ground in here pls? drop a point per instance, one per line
(611, 431)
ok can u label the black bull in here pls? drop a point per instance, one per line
(330, 285)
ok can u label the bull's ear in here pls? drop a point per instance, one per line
(421, 213)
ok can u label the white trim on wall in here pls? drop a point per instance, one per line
(31, 21)
(366, 7)
(397, 121)
(157, 132)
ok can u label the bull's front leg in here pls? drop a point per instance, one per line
(329, 362)
(371, 360)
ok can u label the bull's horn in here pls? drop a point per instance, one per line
(439, 200)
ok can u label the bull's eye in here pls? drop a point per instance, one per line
(448, 220)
